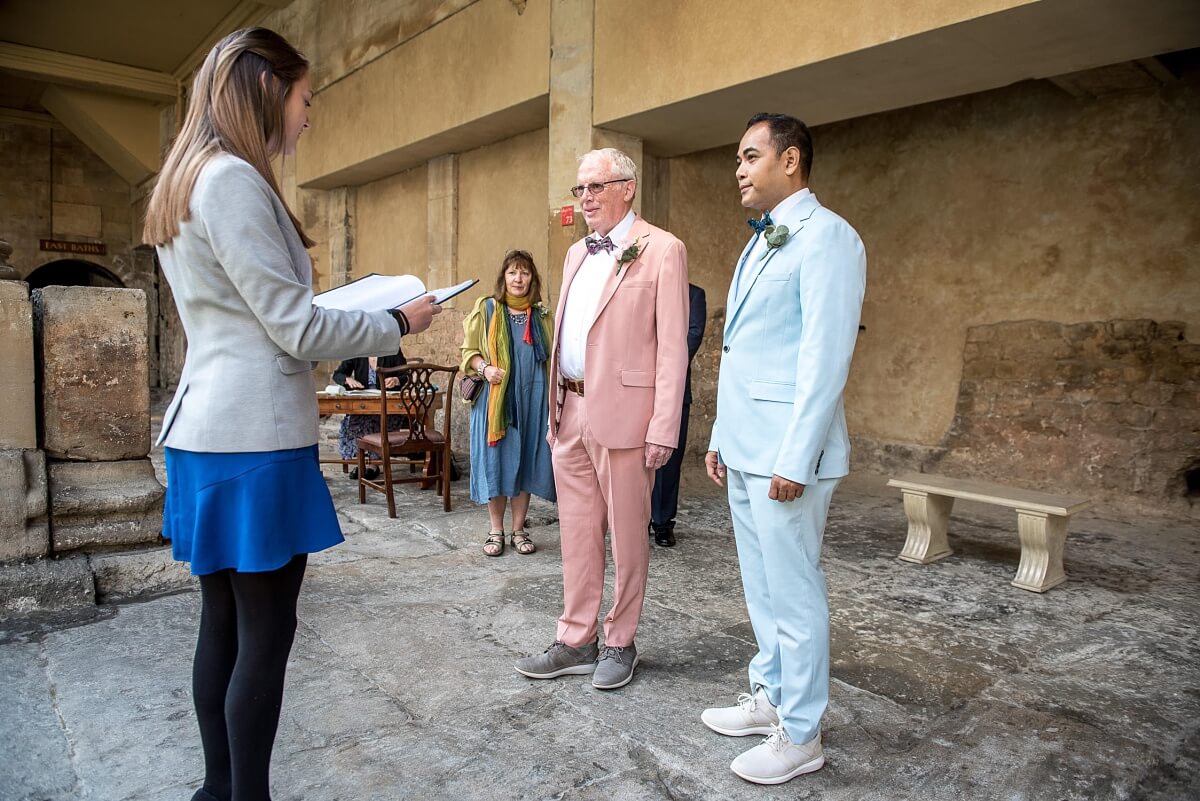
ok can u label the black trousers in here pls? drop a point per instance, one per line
(664, 500)
(247, 624)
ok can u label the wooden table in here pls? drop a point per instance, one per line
(354, 403)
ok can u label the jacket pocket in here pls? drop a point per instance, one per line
(636, 285)
(290, 366)
(777, 391)
(637, 378)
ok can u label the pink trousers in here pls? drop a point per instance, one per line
(600, 489)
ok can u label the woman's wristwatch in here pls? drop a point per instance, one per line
(482, 366)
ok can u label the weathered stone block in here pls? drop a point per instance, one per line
(128, 575)
(94, 364)
(46, 585)
(18, 423)
(1155, 393)
(103, 504)
(24, 529)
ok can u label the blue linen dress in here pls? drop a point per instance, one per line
(520, 462)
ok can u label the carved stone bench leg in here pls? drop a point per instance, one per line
(1042, 539)
(927, 519)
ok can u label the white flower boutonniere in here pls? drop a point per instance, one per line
(775, 235)
(629, 254)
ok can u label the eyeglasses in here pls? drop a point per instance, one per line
(596, 188)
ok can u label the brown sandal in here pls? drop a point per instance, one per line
(494, 544)
(521, 543)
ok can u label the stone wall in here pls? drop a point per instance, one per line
(1022, 203)
(53, 187)
(1110, 410)
(95, 418)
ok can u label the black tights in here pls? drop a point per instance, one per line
(247, 623)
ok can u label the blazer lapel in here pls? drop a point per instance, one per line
(735, 284)
(795, 223)
(640, 228)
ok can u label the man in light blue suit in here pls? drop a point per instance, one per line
(780, 439)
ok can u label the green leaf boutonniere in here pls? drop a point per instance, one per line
(775, 235)
(629, 254)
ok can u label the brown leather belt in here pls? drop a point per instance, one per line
(574, 385)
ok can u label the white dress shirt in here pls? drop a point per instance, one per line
(583, 297)
(760, 242)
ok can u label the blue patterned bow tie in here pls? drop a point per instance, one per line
(761, 225)
(597, 244)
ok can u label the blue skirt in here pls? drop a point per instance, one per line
(251, 512)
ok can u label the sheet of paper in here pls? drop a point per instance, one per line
(373, 292)
(443, 295)
(376, 292)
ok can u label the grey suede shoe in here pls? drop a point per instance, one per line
(615, 667)
(559, 659)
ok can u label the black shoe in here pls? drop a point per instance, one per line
(353, 474)
(372, 473)
(204, 795)
(664, 537)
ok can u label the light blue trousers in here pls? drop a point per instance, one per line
(779, 550)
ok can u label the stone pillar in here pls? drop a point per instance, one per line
(341, 234)
(96, 417)
(572, 58)
(442, 221)
(24, 530)
(18, 422)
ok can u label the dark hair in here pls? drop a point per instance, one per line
(787, 131)
(535, 281)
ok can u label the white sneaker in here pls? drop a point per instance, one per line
(754, 714)
(777, 759)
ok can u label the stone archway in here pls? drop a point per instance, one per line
(72, 272)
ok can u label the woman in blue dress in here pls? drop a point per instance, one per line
(246, 502)
(507, 342)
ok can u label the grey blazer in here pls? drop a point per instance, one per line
(242, 282)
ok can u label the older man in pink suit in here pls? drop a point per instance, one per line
(617, 369)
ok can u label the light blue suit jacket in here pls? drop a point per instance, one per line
(790, 327)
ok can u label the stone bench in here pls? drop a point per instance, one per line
(1042, 521)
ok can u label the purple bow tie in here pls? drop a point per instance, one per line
(595, 245)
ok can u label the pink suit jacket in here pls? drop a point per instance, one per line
(636, 361)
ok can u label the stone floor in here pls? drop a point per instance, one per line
(948, 683)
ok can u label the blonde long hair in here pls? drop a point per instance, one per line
(236, 107)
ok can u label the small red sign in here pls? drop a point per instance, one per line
(567, 215)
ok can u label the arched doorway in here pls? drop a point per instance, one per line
(72, 272)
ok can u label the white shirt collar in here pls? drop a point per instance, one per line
(620, 232)
(788, 203)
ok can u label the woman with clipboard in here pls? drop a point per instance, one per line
(246, 502)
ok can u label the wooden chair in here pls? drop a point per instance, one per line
(419, 444)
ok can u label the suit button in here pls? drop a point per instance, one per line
(726, 349)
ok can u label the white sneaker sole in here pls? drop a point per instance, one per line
(764, 729)
(573, 670)
(808, 767)
(628, 678)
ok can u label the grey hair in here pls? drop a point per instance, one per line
(622, 166)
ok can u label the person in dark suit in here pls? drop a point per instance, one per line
(664, 501)
(360, 374)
